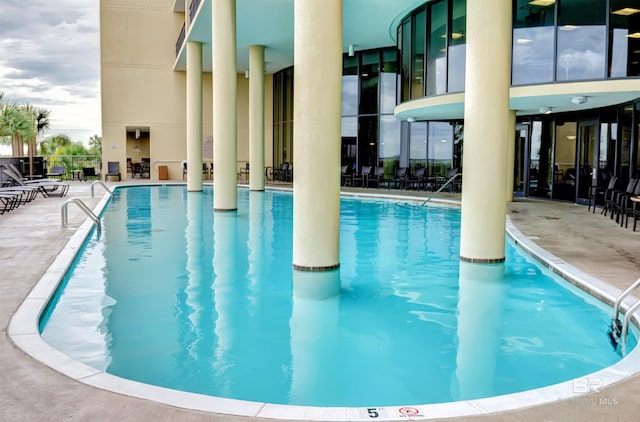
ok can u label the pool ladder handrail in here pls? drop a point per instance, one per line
(447, 183)
(618, 332)
(65, 215)
(104, 185)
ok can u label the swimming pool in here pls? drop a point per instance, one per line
(405, 328)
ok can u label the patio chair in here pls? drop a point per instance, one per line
(345, 176)
(399, 178)
(56, 172)
(628, 205)
(88, 172)
(376, 177)
(145, 168)
(113, 170)
(362, 179)
(418, 179)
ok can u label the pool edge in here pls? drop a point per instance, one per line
(23, 331)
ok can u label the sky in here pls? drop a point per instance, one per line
(50, 58)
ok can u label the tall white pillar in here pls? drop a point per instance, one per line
(511, 155)
(256, 117)
(194, 116)
(225, 115)
(486, 121)
(317, 102)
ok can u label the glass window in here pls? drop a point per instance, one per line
(457, 46)
(437, 51)
(418, 145)
(533, 42)
(389, 142)
(406, 59)
(624, 38)
(581, 40)
(440, 151)
(350, 86)
(389, 80)
(417, 60)
(369, 71)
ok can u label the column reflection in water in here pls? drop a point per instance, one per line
(227, 328)
(198, 285)
(482, 290)
(315, 335)
(256, 243)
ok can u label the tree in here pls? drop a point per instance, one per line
(51, 145)
(16, 125)
(95, 145)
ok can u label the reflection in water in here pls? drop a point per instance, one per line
(207, 302)
(315, 336)
(482, 290)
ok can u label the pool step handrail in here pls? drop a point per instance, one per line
(65, 215)
(447, 183)
(618, 331)
(104, 185)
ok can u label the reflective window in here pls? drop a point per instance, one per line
(350, 86)
(437, 51)
(533, 40)
(418, 145)
(417, 60)
(457, 46)
(581, 40)
(389, 81)
(283, 116)
(624, 38)
(389, 141)
(440, 151)
(369, 71)
(406, 59)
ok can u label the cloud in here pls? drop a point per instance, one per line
(50, 57)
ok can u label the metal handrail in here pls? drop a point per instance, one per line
(618, 332)
(104, 185)
(65, 214)
(447, 183)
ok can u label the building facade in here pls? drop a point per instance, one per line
(536, 98)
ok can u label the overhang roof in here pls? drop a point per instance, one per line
(366, 24)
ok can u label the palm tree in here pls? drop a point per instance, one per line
(17, 124)
(95, 144)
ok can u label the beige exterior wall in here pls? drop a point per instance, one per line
(140, 89)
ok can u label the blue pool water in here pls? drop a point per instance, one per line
(175, 295)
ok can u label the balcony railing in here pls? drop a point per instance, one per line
(193, 8)
(180, 40)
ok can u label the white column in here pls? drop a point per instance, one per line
(486, 121)
(316, 134)
(194, 116)
(225, 115)
(256, 117)
(511, 154)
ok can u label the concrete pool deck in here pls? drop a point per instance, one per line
(33, 238)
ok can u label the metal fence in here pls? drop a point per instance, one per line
(73, 164)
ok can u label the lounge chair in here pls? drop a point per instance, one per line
(15, 170)
(46, 187)
(113, 170)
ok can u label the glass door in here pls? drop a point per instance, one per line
(587, 159)
(520, 163)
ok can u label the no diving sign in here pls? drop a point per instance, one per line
(392, 413)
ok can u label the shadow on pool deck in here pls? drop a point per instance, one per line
(32, 237)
